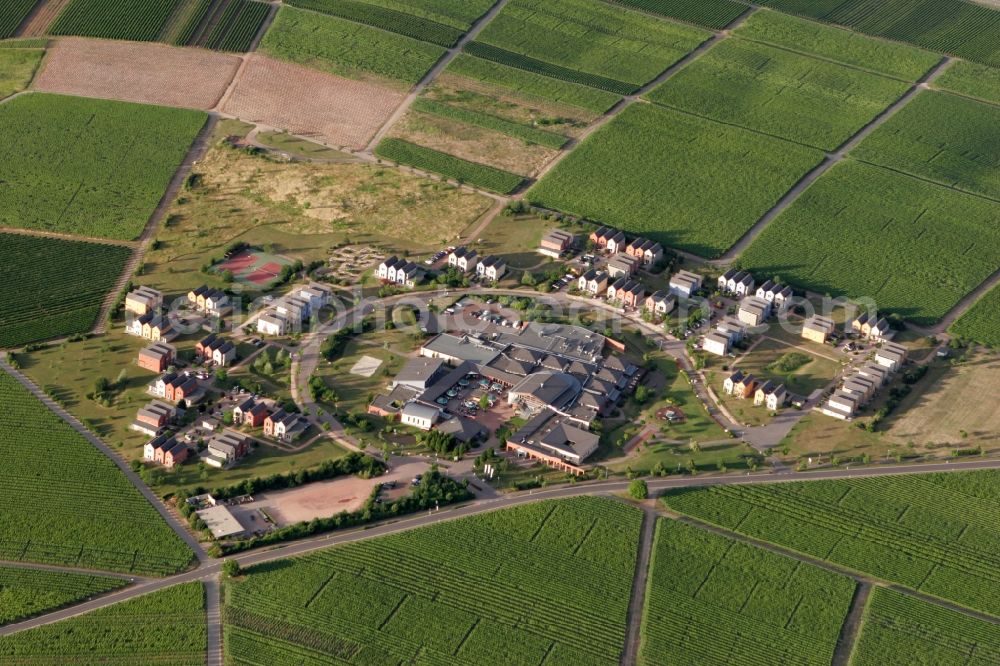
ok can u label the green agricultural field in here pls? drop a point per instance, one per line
(167, 627)
(346, 48)
(966, 29)
(385, 18)
(63, 502)
(899, 629)
(972, 80)
(458, 14)
(12, 13)
(777, 92)
(902, 529)
(982, 322)
(461, 170)
(238, 26)
(138, 20)
(28, 592)
(585, 41)
(850, 48)
(526, 133)
(714, 14)
(530, 85)
(712, 600)
(865, 232)
(480, 590)
(948, 139)
(17, 68)
(631, 175)
(86, 166)
(60, 286)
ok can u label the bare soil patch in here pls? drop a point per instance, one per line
(331, 109)
(326, 498)
(137, 72)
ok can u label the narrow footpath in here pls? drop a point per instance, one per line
(630, 654)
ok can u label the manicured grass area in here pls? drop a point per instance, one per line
(60, 286)
(902, 529)
(864, 232)
(28, 592)
(714, 14)
(844, 46)
(981, 323)
(801, 371)
(12, 13)
(17, 68)
(630, 174)
(585, 41)
(713, 600)
(464, 171)
(516, 239)
(63, 502)
(527, 134)
(531, 85)
(420, 595)
(971, 79)
(161, 627)
(966, 29)
(338, 46)
(900, 629)
(777, 92)
(138, 20)
(87, 166)
(945, 138)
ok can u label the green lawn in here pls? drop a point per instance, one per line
(167, 626)
(864, 232)
(86, 166)
(945, 138)
(780, 93)
(713, 600)
(420, 596)
(342, 47)
(17, 68)
(763, 361)
(630, 172)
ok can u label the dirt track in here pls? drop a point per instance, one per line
(137, 72)
(334, 110)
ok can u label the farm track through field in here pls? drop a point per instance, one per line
(829, 161)
(852, 625)
(195, 153)
(118, 460)
(208, 25)
(264, 27)
(41, 17)
(213, 618)
(436, 70)
(628, 100)
(636, 605)
(55, 568)
(962, 306)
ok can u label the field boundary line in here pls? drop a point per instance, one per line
(434, 72)
(832, 158)
(850, 631)
(929, 181)
(58, 568)
(858, 576)
(41, 233)
(264, 27)
(637, 602)
(967, 303)
(194, 153)
(627, 100)
(831, 61)
(107, 451)
(47, 11)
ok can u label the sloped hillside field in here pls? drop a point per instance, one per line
(63, 502)
(89, 167)
(547, 582)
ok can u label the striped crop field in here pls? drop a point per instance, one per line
(479, 590)
(136, 20)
